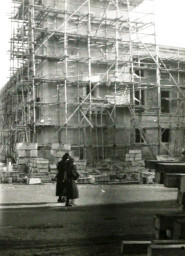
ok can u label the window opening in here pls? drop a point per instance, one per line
(138, 137)
(165, 101)
(165, 135)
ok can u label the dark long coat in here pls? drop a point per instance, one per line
(60, 186)
(71, 177)
(66, 179)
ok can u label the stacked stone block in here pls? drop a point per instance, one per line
(39, 168)
(133, 160)
(53, 170)
(8, 174)
(25, 152)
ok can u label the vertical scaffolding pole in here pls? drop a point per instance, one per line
(89, 64)
(58, 107)
(116, 70)
(158, 98)
(66, 71)
(158, 84)
(96, 131)
(130, 53)
(177, 149)
(131, 62)
(32, 53)
(102, 134)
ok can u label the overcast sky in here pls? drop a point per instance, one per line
(170, 22)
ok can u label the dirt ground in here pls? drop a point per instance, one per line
(32, 223)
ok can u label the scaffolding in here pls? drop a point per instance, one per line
(102, 49)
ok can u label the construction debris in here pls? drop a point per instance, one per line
(131, 170)
(28, 168)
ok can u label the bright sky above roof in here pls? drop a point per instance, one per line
(170, 21)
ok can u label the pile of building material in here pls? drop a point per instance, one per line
(134, 168)
(53, 170)
(131, 170)
(39, 168)
(133, 160)
(26, 151)
(81, 166)
(7, 174)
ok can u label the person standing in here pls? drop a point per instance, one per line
(61, 178)
(71, 177)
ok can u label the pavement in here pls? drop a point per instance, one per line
(32, 223)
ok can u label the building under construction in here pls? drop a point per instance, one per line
(89, 76)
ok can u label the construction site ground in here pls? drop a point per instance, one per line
(32, 223)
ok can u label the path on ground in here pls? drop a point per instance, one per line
(33, 224)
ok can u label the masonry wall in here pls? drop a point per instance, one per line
(109, 129)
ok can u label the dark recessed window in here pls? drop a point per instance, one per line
(165, 135)
(138, 136)
(139, 72)
(92, 91)
(165, 101)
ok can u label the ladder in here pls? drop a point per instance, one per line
(143, 135)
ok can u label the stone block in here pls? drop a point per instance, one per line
(26, 146)
(55, 146)
(164, 250)
(129, 159)
(40, 160)
(53, 166)
(27, 153)
(139, 156)
(23, 160)
(44, 170)
(134, 247)
(127, 156)
(42, 166)
(131, 151)
(32, 181)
